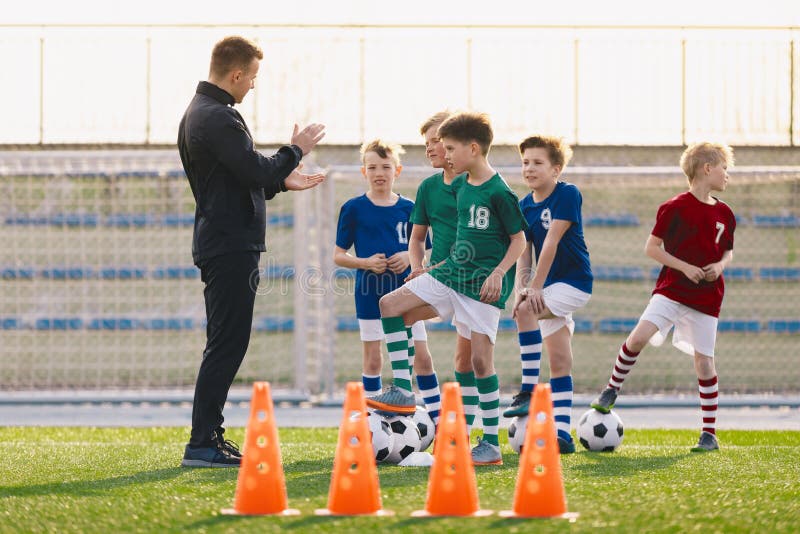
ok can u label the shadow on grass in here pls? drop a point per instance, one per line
(91, 487)
(606, 465)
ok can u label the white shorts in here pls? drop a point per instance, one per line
(372, 330)
(694, 331)
(466, 314)
(561, 299)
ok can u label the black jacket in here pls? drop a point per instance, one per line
(230, 180)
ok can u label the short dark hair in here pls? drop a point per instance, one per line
(233, 52)
(558, 152)
(468, 126)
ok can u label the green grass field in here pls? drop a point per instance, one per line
(127, 480)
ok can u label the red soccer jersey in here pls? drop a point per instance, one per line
(698, 234)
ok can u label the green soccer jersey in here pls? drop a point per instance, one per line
(435, 207)
(488, 215)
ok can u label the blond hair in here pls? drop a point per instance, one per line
(558, 151)
(434, 120)
(698, 154)
(383, 150)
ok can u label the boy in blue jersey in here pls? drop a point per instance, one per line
(376, 224)
(561, 282)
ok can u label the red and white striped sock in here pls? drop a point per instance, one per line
(625, 360)
(709, 401)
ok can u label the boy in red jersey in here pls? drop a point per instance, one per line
(693, 240)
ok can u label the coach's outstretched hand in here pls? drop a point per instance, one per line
(298, 181)
(308, 137)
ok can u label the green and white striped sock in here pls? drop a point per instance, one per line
(397, 345)
(411, 350)
(489, 399)
(469, 396)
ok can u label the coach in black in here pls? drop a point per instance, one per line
(230, 181)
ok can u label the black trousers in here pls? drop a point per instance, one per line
(230, 281)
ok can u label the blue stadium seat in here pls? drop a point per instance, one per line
(67, 273)
(616, 325)
(776, 221)
(273, 324)
(123, 273)
(168, 323)
(17, 273)
(347, 324)
(174, 272)
(128, 220)
(781, 326)
(618, 220)
(137, 174)
(58, 323)
(281, 219)
(618, 273)
(113, 323)
(179, 219)
(10, 323)
(739, 274)
(74, 219)
(780, 274)
(738, 325)
(583, 326)
(176, 173)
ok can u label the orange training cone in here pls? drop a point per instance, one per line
(540, 488)
(354, 484)
(452, 486)
(261, 487)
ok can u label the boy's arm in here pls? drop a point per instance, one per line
(490, 290)
(375, 263)
(654, 249)
(714, 270)
(533, 291)
(416, 247)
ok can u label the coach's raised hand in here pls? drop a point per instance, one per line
(308, 137)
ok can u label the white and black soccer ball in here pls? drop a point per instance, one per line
(406, 437)
(516, 432)
(600, 432)
(382, 436)
(427, 430)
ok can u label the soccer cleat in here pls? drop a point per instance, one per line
(230, 446)
(394, 401)
(519, 406)
(214, 456)
(605, 401)
(707, 442)
(565, 447)
(484, 453)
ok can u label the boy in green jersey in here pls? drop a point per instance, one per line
(435, 208)
(473, 283)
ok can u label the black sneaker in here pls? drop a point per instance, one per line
(565, 447)
(519, 406)
(214, 456)
(605, 401)
(231, 446)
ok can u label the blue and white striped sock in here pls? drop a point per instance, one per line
(429, 389)
(372, 384)
(562, 405)
(530, 352)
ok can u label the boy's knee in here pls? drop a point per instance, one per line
(387, 306)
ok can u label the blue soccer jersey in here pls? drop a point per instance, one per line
(371, 230)
(571, 263)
